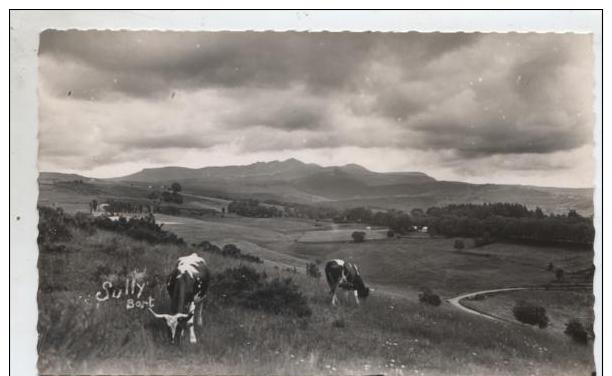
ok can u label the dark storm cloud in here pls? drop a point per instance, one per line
(145, 63)
(470, 96)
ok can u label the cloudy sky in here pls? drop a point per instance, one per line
(498, 108)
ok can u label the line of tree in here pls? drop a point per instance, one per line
(546, 229)
(116, 206)
(292, 209)
(253, 208)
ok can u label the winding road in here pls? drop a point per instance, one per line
(456, 301)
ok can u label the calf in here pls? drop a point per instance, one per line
(187, 286)
(346, 276)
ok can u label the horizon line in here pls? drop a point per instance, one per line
(311, 163)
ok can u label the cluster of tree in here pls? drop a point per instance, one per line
(569, 229)
(183, 211)
(358, 236)
(229, 250)
(171, 194)
(253, 208)
(482, 211)
(396, 220)
(115, 206)
(483, 222)
(292, 209)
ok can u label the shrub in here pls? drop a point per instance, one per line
(140, 229)
(231, 284)
(578, 332)
(279, 296)
(390, 234)
(312, 270)
(229, 250)
(170, 196)
(245, 287)
(358, 236)
(52, 225)
(428, 297)
(531, 314)
(459, 244)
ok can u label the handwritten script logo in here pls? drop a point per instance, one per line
(131, 292)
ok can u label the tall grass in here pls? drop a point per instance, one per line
(387, 335)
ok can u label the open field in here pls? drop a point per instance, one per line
(392, 333)
(388, 334)
(340, 235)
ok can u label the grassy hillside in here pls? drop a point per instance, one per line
(388, 334)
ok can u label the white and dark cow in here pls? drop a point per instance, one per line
(187, 286)
(345, 275)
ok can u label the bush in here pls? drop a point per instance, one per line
(279, 296)
(312, 270)
(358, 236)
(245, 287)
(578, 332)
(229, 250)
(428, 297)
(531, 314)
(230, 285)
(390, 234)
(140, 229)
(170, 196)
(459, 244)
(52, 225)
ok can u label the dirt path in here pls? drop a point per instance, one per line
(456, 301)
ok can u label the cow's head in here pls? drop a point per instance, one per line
(362, 290)
(173, 321)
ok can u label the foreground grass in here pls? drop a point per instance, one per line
(385, 335)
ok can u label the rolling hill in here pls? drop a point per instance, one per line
(347, 186)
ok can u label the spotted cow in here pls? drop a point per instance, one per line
(345, 275)
(187, 286)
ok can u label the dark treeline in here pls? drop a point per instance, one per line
(484, 222)
(292, 209)
(482, 211)
(253, 208)
(510, 222)
(115, 206)
(396, 220)
(229, 250)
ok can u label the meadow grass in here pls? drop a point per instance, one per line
(386, 334)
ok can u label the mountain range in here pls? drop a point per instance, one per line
(352, 185)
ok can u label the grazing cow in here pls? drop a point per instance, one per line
(187, 286)
(346, 276)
